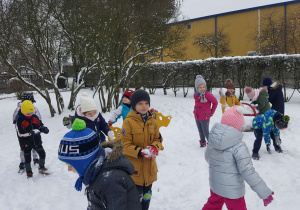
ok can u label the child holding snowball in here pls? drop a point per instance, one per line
(142, 141)
(227, 95)
(205, 107)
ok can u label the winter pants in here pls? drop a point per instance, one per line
(203, 128)
(27, 153)
(33, 152)
(215, 202)
(145, 194)
(259, 136)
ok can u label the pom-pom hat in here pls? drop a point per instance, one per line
(267, 82)
(229, 84)
(28, 96)
(233, 116)
(87, 103)
(79, 148)
(281, 122)
(27, 107)
(199, 81)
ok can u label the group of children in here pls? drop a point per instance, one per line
(227, 155)
(120, 174)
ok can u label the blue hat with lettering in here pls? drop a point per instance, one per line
(79, 147)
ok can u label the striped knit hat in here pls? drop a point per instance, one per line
(79, 148)
(234, 117)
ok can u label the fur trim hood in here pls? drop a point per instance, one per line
(117, 149)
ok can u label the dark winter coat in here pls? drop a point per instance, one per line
(24, 126)
(276, 97)
(113, 188)
(263, 102)
(99, 125)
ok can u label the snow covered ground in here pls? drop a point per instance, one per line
(183, 172)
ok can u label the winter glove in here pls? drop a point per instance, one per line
(223, 92)
(152, 110)
(44, 130)
(211, 115)
(109, 123)
(268, 200)
(277, 140)
(149, 152)
(111, 135)
(66, 121)
(253, 102)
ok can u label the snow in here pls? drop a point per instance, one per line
(183, 172)
(191, 9)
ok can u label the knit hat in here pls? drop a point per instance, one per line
(199, 81)
(233, 116)
(252, 93)
(79, 148)
(280, 121)
(27, 107)
(137, 96)
(87, 103)
(267, 82)
(127, 94)
(28, 96)
(229, 84)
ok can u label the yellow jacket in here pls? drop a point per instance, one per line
(229, 101)
(137, 135)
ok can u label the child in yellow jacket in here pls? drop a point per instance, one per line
(142, 141)
(227, 95)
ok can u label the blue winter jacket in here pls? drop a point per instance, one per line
(99, 125)
(276, 98)
(230, 164)
(266, 123)
(122, 110)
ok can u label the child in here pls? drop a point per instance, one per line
(260, 97)
(87, 111)
(122, 110)
(142, 141)
(268, 125)
(28, 127)
(27, 96)
(205, 106)
(230, 165)
(227, 95)
(275, 94)
(105, 171)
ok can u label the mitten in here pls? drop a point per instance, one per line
(107, 151)
(153, 150)
(223, 92)
(147, 154)
(152, 110)
(111, 135)
(44, 129)
(35, 132)
(268, 200)
(109, 123)
(66, 121)
(277, 140)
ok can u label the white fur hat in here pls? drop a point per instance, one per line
(87, 103)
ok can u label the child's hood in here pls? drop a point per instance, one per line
(222, 136)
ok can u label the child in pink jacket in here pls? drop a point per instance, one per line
(205, 107)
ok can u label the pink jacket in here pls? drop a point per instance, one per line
(203, 111)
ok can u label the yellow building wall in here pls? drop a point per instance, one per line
(241, 27)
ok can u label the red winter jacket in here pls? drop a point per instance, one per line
(203, 111)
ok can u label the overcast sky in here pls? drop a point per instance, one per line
(200, 8)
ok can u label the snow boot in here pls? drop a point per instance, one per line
(43, 171)
(278, 149)
(269, 149)
(29, 175)
(255, 156)
(36, 161)
(21, 168)
(202, 143)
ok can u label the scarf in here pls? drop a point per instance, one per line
(202, 97)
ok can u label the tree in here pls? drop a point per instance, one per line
(215, 44)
